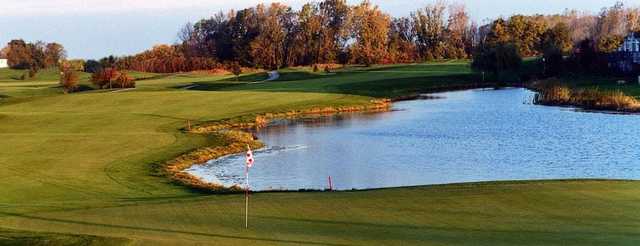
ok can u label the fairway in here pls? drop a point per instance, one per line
(84, 168)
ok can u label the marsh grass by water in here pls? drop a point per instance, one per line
(552, 92)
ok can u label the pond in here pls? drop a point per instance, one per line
(465, 136)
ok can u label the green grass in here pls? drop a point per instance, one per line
(81, 169)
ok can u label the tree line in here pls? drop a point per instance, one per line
(33, 56)
(568, 42)
(332, 31)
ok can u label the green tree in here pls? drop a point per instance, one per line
(557, 38)
(497, 58)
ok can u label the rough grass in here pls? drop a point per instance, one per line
(86, 165)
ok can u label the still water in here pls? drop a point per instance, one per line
(466, 136)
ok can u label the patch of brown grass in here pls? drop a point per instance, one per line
(552, 92)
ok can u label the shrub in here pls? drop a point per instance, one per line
(236, 69)
(124, 81)
(69, 80)
(105, 78)
(32, 73)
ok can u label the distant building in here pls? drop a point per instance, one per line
(4, 63)
(627, 58)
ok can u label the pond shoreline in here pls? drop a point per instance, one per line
(175, 168)
(234, 132)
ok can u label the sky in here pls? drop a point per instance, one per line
(97, 28)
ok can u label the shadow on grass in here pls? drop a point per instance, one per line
(150, 229)
(13, 237)
(253, 77)
(359, 83)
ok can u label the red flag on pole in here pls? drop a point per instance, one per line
(249, 157)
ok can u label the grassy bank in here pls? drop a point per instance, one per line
(86, 165)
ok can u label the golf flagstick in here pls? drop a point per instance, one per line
(248, 164)
(246, 198)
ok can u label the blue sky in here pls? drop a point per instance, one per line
(97, 28)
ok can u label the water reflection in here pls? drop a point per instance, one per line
(469, 136)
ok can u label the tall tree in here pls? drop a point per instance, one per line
(402, 35)
(335, 18)
(526, 33)
(370, 29)
(54, 53)
(18, 54)
(308, 37)
(268, 49)
(498, 33)
(558, 38)
(429, 24)
(458, 32)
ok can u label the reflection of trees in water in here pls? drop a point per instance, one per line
(334, 120)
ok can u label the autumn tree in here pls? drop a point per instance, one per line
(268, 49)
(105, 78)
(334, 34)
(18, 54)
(369, 28)
(123, 80)
(458, 32)
(308, 36)
(429, 26)
(401, 41)
(558, 38)
(498, 33)
(69, 80)
(611, 28)
(54, 53)
(525, 33)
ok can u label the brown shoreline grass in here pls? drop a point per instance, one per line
(554, 93)
(232, 131)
